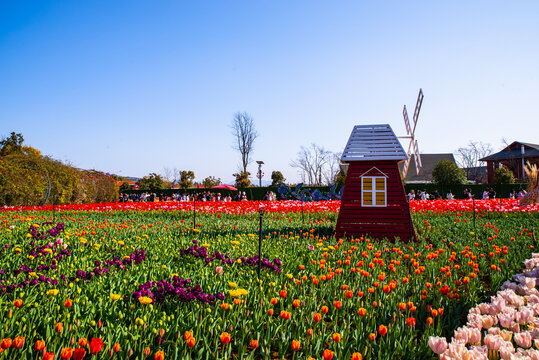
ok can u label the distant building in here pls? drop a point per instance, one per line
(514, 158)
(428, 162)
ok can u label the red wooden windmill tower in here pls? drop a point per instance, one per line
(374, 201)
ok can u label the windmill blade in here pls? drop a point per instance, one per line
(406, 121)
(418, 106)
(417, 157)
(405, 168)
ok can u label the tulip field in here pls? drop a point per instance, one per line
(180, 280)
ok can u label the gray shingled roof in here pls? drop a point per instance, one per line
(373, 142)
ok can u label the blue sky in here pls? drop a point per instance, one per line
(132, 87)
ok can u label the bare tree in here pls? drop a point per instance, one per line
(468, 157)
(312, 163)
(332, 168)
(243, 129)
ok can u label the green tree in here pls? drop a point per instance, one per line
(340, 178)
(186, 179)
(277, 178)
(446, 172)
(11, 144)
(242, 179)
(151, 182)
(211, 181)
(503, 176)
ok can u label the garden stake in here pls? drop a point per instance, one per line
(260, 242)
(194, 212)
(473, 199)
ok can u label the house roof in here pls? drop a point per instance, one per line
(513, 151)
(428, 162)
(373, 142)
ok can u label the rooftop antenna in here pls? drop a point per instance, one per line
(411, 135)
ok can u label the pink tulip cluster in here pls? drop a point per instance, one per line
(506, 328)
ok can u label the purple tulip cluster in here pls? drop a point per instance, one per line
(102, 268)
(176, 288)
(202, 252)
(53, 232)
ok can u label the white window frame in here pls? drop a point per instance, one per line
(374, 191)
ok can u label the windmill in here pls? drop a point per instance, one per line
(411, 135)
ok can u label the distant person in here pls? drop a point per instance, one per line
(436, 195)
(492, 194)
(449, 195)
(411, 195)
(424, 195)
(485, 194)
(521, 193)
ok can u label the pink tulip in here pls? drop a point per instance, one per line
(437, 344)
(219, 269)
(493, 342)
(523, 339)
(475, 336)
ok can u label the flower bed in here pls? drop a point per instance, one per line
(152, 284)
(507, 327)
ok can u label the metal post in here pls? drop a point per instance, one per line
(260, 244)
(473, 200)
(194, 212)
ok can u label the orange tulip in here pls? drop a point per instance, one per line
(357, 356)
(59, 327)
(274, 301)
(336, 337)
(159, 355)
(39, 345)
(116, 347)
(68, 303)
(270, 312)
(325, 309)
(146, 351)
(66, 353)
(283, 294)
(48, 356)
(410, 321)
(225, 338)
(295, 345)
(18, 303)
(237, 301)
(328, 354)
(191, 341)
(382, 330)
(310, 332)
(254, 343)
(225, 306)
(337, 304)
(18, 342)
(83, 342)
(317, 317)
(372, 336)
(6, 343)
(187, 335)
(296, 303)
(362, 311)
